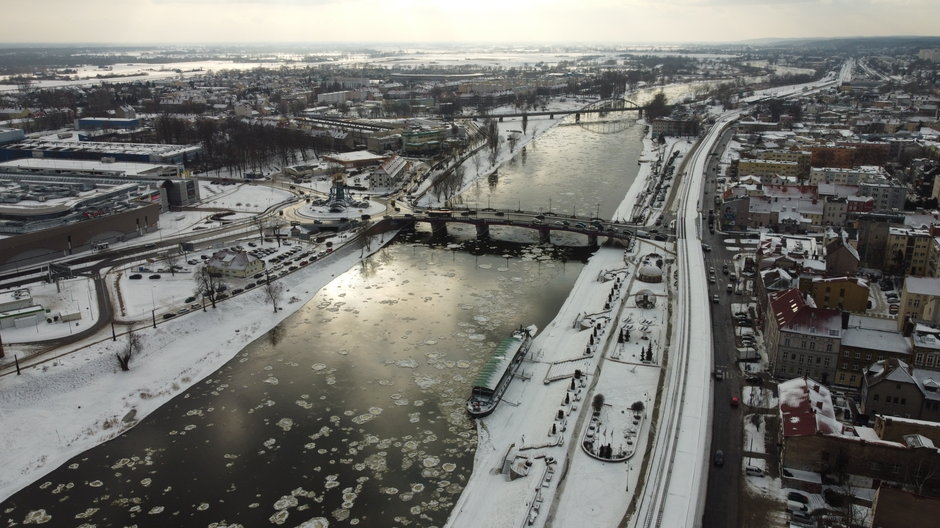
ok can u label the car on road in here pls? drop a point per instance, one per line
(706, 247)
(169, 315)
(719, 458)
(712, 279)
(155, 276)
(715, 298)
(724, 269)
(136, 276)
(711, 270)
(735, 401)
(730, 288)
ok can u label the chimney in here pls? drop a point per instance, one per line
(816, 387)
(845, 320)
(819, 405)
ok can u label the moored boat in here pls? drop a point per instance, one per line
(494, 377)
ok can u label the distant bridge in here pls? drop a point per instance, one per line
(597, 107)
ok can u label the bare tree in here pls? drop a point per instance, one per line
(132, 347)
(477, 161)
(513, 139)
(208, 285)
(273, 291)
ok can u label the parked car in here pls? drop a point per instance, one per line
(706, 247)
(719, 458)
(136, 276)
(796, 496)
(735, 401)
(754, 471)
(169, 315)
(155, 276)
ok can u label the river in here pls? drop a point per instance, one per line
(351, 411)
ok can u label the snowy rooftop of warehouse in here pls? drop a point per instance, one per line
(119, 168)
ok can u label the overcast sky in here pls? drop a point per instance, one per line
(540, 21)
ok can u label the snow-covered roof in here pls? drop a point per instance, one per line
(806, 409)
(922, 285)
(497, 364)
(892, 342)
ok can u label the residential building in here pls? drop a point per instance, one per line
(864, 340)
(840, 293)
(814, 438)
(766, 169)
(888, 195)
(233, 263)
(907, 251)
(841, 257)
(919, 300)
(389, 173)
(801, 339)
(893, 387)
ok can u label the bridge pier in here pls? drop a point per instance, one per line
(551, 116)
(438, 228)
(592, 241)
(577, 117)
(500, 119)
(545, 235)
(483, 230)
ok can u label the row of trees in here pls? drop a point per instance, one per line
(238, 145)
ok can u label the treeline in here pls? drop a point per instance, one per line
(237, 145)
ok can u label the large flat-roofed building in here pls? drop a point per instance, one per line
(180, 192)
(106, 123)
(98, 150)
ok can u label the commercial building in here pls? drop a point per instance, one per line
(98, 150)
(107, 123)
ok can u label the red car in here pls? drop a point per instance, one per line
(735, 401)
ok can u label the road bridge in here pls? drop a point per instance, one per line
(597, 107)
(542, 222)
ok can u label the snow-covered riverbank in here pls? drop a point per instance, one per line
(54, 412)
(544, 419)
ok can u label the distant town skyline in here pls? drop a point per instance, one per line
(349, 21)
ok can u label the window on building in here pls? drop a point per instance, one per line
(818, 360)
(868, 356)
(845, 353)
(903, 401)
(812, 345)
(858, 354)
(875, 397)
(826, 361)
(852, 378)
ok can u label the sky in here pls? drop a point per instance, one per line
(412, 21)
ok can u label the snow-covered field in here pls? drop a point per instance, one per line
(243, 197)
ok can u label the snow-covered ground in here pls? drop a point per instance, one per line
(522, 426)
(244, 197)
(593, 492)
(70, 296)
(43, 422)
